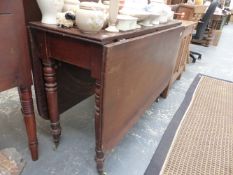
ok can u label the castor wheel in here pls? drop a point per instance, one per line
(199, 57)
(157, 100)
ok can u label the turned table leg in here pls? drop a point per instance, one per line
(98, 128)
(179, 77)
(165, 92)
(29, 119)
(51, 92)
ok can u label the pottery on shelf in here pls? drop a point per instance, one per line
(137, 5)
(152, 20)
(147, 22)
(158, 6)
(49, 10)
(126, 23)
(91, 16)
(171, 15)
(137, 9)
(113, 13)
(155, 18)
(140, 15)
(164, 18)
(71, 5)
(106, 2)
(105, 5)
(155, 11)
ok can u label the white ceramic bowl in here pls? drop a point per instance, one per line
(140, 15)
(126, 23)
(155, 18)
(163, 18)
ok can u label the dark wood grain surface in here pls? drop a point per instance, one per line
(9, 59)
(102, 37)
(15, 47)
(15, 65)
(136, 72)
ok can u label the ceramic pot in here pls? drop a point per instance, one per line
(90, 18)
(147, 22)
(136, 5)
(49, 10)
(71, 5)
(163, 19)
(166, 15)
(158, 6)
(140, 15)
(136, 8)
(155, 10)
(155, 18)
(105, 6)
(126, 23)
(170, 16)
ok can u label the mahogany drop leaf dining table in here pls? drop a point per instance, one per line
(130, 70)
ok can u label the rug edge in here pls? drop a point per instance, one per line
(162, 150)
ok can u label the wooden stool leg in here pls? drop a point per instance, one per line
(29, 119)
(51, 92)
(98, 129)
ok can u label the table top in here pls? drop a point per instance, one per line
(103, 37)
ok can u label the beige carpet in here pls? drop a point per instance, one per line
(203, 143)
(11, 162)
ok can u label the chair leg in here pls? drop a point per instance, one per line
(199, 57)
(196, 53)
(193, 57)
